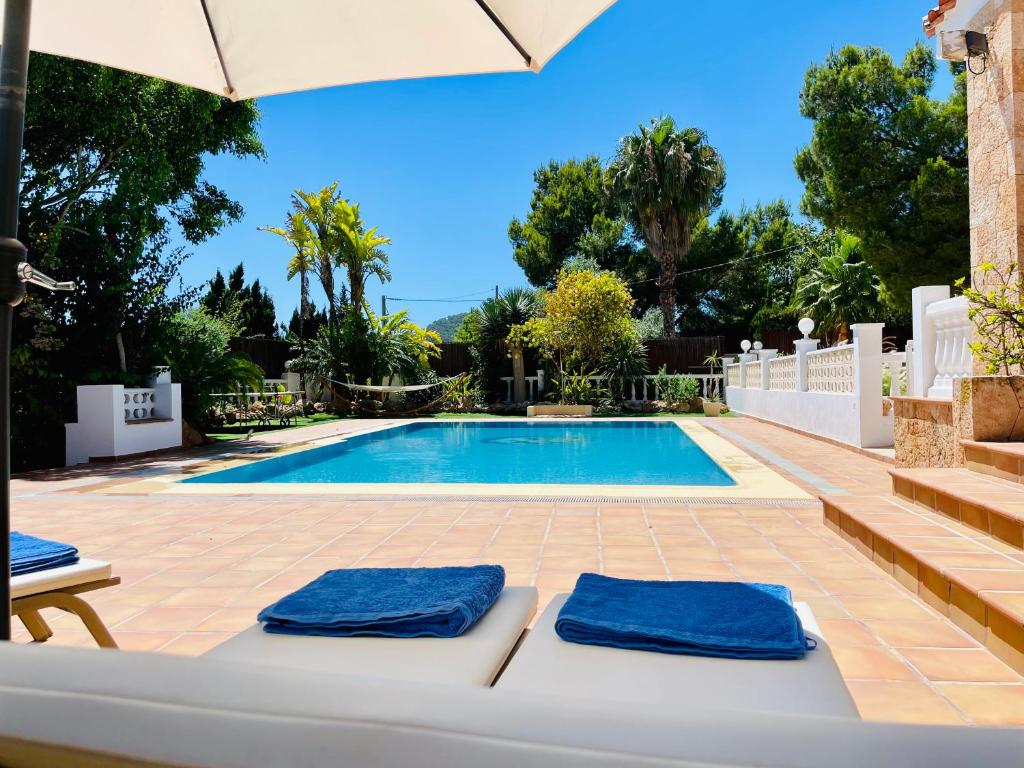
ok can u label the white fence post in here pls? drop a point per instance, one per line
(867, 383)
(803, 346)
(745, 358)
(764, 355)
(911, 353)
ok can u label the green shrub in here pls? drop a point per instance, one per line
(674, 390)
(195, 346)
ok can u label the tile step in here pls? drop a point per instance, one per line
(987, 504)
(967, 576)
(1002, 460)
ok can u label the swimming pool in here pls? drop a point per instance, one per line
(506, 452)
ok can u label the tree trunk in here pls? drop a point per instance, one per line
(303, 303)
(120, 352)
(518, 375)
(357, 289)
(327, 280)
(667, 291)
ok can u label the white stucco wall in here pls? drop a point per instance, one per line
(103, 431)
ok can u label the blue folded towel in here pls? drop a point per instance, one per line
(388, 602)
(30, 554)
(700, 618)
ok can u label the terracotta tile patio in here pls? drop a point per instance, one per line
(196, 570)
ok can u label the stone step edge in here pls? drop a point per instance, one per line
(1002, 460)
(1006, 449)
(989, 518)
(977, 612)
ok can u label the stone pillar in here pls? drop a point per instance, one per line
(995, 115)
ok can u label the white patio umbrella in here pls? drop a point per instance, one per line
(243, 49)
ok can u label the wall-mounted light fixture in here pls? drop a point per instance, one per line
(964, 45)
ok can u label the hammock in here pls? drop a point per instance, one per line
(391, 390)
(361, 405)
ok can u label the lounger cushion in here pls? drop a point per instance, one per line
(63, 577)
(546, 664)
(472, 659)
(208, 712)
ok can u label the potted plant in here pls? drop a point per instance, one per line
(714, 365)
(713, 406)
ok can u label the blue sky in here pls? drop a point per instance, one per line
(442, 165)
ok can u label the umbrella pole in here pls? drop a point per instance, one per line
(13, 82)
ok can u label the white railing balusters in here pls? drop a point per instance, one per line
(941, 351)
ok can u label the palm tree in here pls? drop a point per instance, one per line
(398, 346)
(311, 231)
(301, 265)
(841, 289)
(498, 317)
(359, 251)
(668, 179)
(328, 232)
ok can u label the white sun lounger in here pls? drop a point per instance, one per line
(85, 707)
(475, 658)
(547, 664)
(60, 588)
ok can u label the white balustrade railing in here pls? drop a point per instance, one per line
(734, 375)
(533, 387)
(896, 364)
(782, 374)
(835, 392)
(831, 370)
(641, 389)
(942, 338)
(952, 344)
(139, 404)
(753, 375)
(646, 388)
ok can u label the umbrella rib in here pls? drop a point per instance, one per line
(505, 31)
(229, 90)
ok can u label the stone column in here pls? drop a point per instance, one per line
(995, 115)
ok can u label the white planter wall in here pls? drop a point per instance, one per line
(115, 421)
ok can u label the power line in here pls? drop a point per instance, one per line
(634, 283)
(753, 257)
(440, 301)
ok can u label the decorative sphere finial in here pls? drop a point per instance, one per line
(745, 346)
(758, 346)
(806, 325)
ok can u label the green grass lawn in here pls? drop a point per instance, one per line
(238, 431)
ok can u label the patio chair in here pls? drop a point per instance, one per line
(474, 658)
(60, 588)
(810, 686)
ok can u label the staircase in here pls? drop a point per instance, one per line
(955, 537)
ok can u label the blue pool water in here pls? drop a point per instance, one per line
(570, 453)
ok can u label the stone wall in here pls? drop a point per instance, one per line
(990, 408)
(925, 433)
(995, 107)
